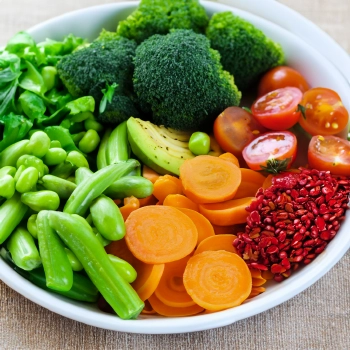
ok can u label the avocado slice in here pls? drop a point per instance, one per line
(160, 148)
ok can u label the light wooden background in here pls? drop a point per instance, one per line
(318, 318)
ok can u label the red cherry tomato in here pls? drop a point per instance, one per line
(234, 128)
(324, 114)
(330, 153)
(278, 109)
(281, 145)
(281, 77)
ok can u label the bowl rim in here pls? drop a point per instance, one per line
(162, 325)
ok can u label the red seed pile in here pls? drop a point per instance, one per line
(292, 221)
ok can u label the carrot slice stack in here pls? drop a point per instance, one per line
(130, 204)
(217, 280)
(220, 242)
(250, 183)
(180, 201)
(166, 185)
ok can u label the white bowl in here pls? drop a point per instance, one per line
(318, 70)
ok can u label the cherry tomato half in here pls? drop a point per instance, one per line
(234, 128)
(278, 109)
(325, 113)
(281, 77)
(281, 145)
(330, 153)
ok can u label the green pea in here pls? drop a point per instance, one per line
(74, 262)
(7, 186)
(93, 124)
(31, 226)
(42, 200)
(39, 144)
(199, 143)
(49, 74)
(77, 159)
(7, 170)
(27, 180)
(89, 142)
(124, 268)
(55, 156)
(55, 144)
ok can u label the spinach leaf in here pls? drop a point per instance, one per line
(32, 105)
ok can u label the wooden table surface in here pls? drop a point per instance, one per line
(318, 318)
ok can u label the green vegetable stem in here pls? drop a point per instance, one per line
(81, 240)
(41, 200)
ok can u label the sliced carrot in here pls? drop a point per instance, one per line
(171, 290)
(229, 230)
(121, 250)
(257, 279)
(165, 310)
(166, 185)
(208, 179)
(148, 309)
(227, 213)
(130, 205)
(203, 225)
(250, 183)
(217, 280)
(256, 291)
(230, 158)
(158, 234)
(267, 182)
(180, 201)
(150, 200)
(220, 242)
(149, 174)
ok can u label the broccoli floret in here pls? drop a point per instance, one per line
(181, 80)
(100, 63)
(106, 35)
(245, 50)
(159, 16)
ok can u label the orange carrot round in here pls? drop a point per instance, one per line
(171, 290)
(208, 179)
(256, 291)
(150, 200)
(165, 310)
(148, 309)
(217, 280)
(159, 234)
(257, 279)
(203, 225)
(166, 185)
(229, 157)
(220, 242)
(180, 201)
(130, 204)
(149, 174)
(250, 183)
(227, 213)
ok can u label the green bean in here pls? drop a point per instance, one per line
(27, 180)
(127, 186)
(102, 151)
(55, 156)
(10, 155)
(42, 200)
(81, 174)
(89, 142)
(124, 268)
(7, 186)
(118, 148)
(62, 187)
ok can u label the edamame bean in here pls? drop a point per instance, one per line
(27, 180)
(89, 142)
(74, 262)
(55, 156)
(32, 161)
(124, 268)
(31, 226)
(93, 124)
(42, 200)
(8, 170)
(7, 186)
(49, 74)
(55, 144)
(39, 144)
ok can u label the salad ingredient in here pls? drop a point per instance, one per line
(55, 156)
(226, 213)
(161, 149)
(101, 159)
(251, 181)
(257, 279)
(324, 112)
(330, 153)
(217, 280)
(166, 310)
(219, 242)
(149, 174)
(128, 186)
(230, 158)
(89, 142)
(159, 234)
(106, 217)
(23, 250)
(278, 109)
(31, 161)
(31, 226)
(93, 186)
(182, 96)
(158, 17)
(57, 267)
(269, 148)
(165, 185)
(7, 186)
(81, 240)
(281, 77)
(12, 212)
(171, 290)
(125, 270)
(130, 204)
(73, 260)
(41, 200)
(291, 222)
(118, 148)
(256, 291)
(7, 170)
(39, 144)
(150, 200)
(10, 155)
(199, 143)
(245, 50)
(62, 187)
(208, 179)
(27, 180)
(235, 128)
(180, 201)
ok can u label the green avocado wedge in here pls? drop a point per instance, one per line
(160, 148)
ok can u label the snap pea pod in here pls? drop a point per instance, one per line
(10, 155)
(8, 170)
(57, 267)
(7, 186)
(82, 290)
(124, 268)
(85, 245)
(31, 226)
(118, 148)
(95, 185)
(127, 186)
(32, 161)
(27, 180)
(62, 187)
(102, 151)
(107, 218)
(39, 144)
(41, 200)
(23, 250)
(12, 211)
(81, 174)
(73, 260)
